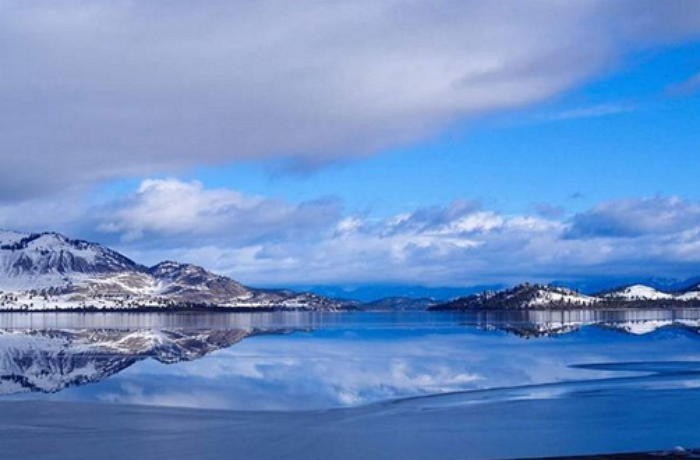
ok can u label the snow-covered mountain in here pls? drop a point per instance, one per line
(49, 259)
(521, 296)
(636, 292)
(49, 361)
(539, 296)
(49, 271)
(690, 293)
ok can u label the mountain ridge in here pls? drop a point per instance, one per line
(547, 296)
(50, 271)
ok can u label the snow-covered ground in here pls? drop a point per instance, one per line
(544, 297)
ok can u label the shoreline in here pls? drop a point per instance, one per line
(608, 308)
(176, 310)
(602, 306)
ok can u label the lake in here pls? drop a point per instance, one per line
(348, 385)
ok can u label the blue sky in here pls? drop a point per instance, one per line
(375, 142)
(623, 134)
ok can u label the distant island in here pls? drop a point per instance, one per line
(547, 297)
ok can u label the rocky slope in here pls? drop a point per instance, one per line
(48, 271)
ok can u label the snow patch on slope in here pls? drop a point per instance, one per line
(560, 295)
(638, 292)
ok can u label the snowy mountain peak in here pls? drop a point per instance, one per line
(49, 271)
(194, 283)
(538, 294)
(637, 292)
(167, 266)
(174, 270)
(44, 259)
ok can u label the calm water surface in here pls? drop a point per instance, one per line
(575, 379)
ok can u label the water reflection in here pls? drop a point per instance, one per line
(538, 323)
(543, 320)
(50, 352)
(51, 360)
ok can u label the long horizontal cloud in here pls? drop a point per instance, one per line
(93, 91)
(638, 217)
(269, 241)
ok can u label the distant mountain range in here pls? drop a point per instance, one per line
(49, 271)
(373, 292)
(540, 296)
(399, 303)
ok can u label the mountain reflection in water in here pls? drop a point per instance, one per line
(51, 360)
(50, 352)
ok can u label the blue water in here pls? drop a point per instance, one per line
(594, 381)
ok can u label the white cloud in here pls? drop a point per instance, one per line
(258, 374)
(637, 217)
(172, 208)
(112, 89)
(259, 240)
(460, 243)
(595, 111)
(349, 366)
